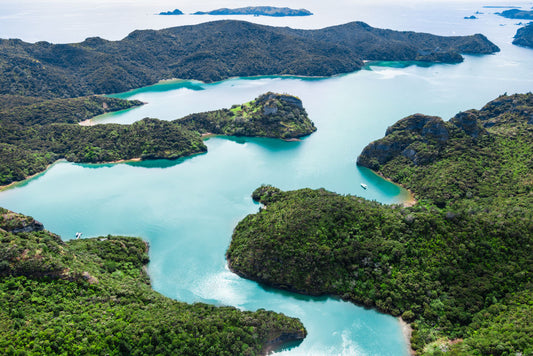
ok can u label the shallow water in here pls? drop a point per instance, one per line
(187, 209)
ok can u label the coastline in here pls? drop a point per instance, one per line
(136, 159)
(13, 184)
(410, 201)
(406, 328)
(88, 122)
(407, 331)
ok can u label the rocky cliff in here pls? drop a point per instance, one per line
(419, 144)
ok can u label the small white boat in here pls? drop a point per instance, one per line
(364, 186)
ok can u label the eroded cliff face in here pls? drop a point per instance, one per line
(420, 139)
(16, 223)
(410, 138)
(428, 155)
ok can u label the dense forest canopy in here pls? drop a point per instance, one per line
(93, 296)
(458, 265)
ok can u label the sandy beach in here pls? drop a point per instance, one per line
(407, 331)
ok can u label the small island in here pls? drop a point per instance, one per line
(500, 7)
(37, 132)
(175, 12)
(517, 14)
(472, 17)
(258, 11)
(457, 265)
(524, 36)
(93, 296)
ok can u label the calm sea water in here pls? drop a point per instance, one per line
(187, 209)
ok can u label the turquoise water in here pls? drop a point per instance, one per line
(187, 209)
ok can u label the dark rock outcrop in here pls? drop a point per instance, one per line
(421, 139)
(469, 122)
(17, 223)
(405, 138)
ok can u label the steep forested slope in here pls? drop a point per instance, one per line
(93, 296)
(458, 265)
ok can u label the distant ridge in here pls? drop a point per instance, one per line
(258, 11)
(214, 51)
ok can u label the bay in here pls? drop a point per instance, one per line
(187, 209)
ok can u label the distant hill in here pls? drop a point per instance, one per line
(524, 36)
(214, 51)
(517, 14)
(258, 11)
(175, 12)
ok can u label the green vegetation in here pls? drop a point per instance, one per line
(458, 265)
(93, 296)
(36, 132)
(211, 52)
(478, 158)
(27, 111)
(270, 115)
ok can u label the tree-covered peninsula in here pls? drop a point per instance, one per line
(93, 296)
(211, 52)
(269, 115)
(524, 36)
(458, 265)
(36, 132)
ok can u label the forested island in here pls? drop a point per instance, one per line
(524, 36)
(258, 11)
(214, 51)
(174, 12)
(517, 14)
(93, 296)
(36, 132)
(457, 265)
